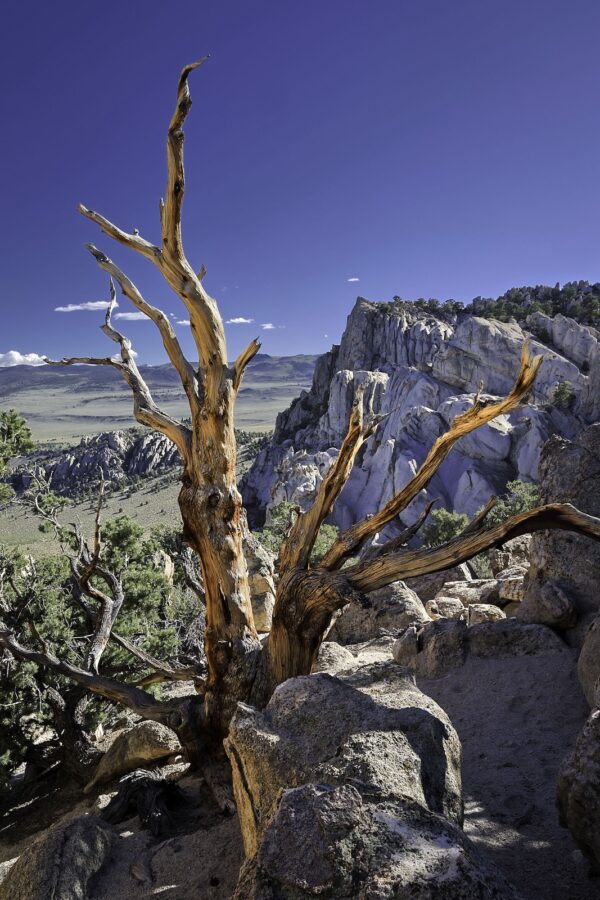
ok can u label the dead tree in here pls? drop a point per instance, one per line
(239, 668)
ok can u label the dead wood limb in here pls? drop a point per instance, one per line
(479, 414)
(373, 574)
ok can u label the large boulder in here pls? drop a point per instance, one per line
(388, 610)
(340, 842)
(373, 727)
(334, 658)
(588, 664)
(60, 863)
(578, 791)
(445, 607)
(484, 612)
(548, 604)
(135, 748)
(569, 472)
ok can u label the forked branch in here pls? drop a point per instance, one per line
(479, 414)
(369, 575)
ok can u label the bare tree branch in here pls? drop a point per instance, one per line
(479, 414)
(373, 574)
(181, 365)
(242, 361)
(132, 697)
(150, 251)
(145, 409)
(299, 542)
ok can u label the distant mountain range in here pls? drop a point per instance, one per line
(263, 368)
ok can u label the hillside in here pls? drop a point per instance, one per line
(421, 369)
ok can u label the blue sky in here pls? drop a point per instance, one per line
(442, 149)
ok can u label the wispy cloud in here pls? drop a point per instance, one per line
(117, 356)
(352, 279)
(91, 305)
(14, 358)
(268, 326)
(239, 320)
(132, 316)
(182, 322)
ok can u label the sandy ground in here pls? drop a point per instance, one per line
(517, 719)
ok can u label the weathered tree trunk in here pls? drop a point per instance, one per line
(239, 668)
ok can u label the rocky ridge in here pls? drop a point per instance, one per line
(421, 371)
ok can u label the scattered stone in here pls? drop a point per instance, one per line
(334, 658)
(442, 647)
(60, 862)
(429, 586)
(479, 590)
(484, 612)
(445, 607)
(142, 744)
(509, 637)
(513, 553)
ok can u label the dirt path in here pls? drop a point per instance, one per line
(517, 719)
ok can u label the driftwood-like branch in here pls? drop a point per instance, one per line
(373, 574)
(150, 251)
(172, 346)
(479, 414)
(132, 697)
(145, 409)
(242, 361)
(301, 538)
(402, 539)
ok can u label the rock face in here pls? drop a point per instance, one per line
(336, 842)
(372, 728)
(560, 586)
(61, 862)
(588, 664)
(578, 791)
(142, 744)
(386, 611)
(422, 371)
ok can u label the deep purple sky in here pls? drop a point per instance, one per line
(443, 148)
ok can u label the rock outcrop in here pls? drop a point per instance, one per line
(560, 586)
(421, 371)
(578, 791)
(386, 611)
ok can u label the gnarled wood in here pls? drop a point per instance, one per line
(479, 414)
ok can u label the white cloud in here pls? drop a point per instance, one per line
(14, 358)
(268, 326)
(352, 279)
(91, 305)
(182, 322)
(239, 320)
(132, 316)
(117, 356)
